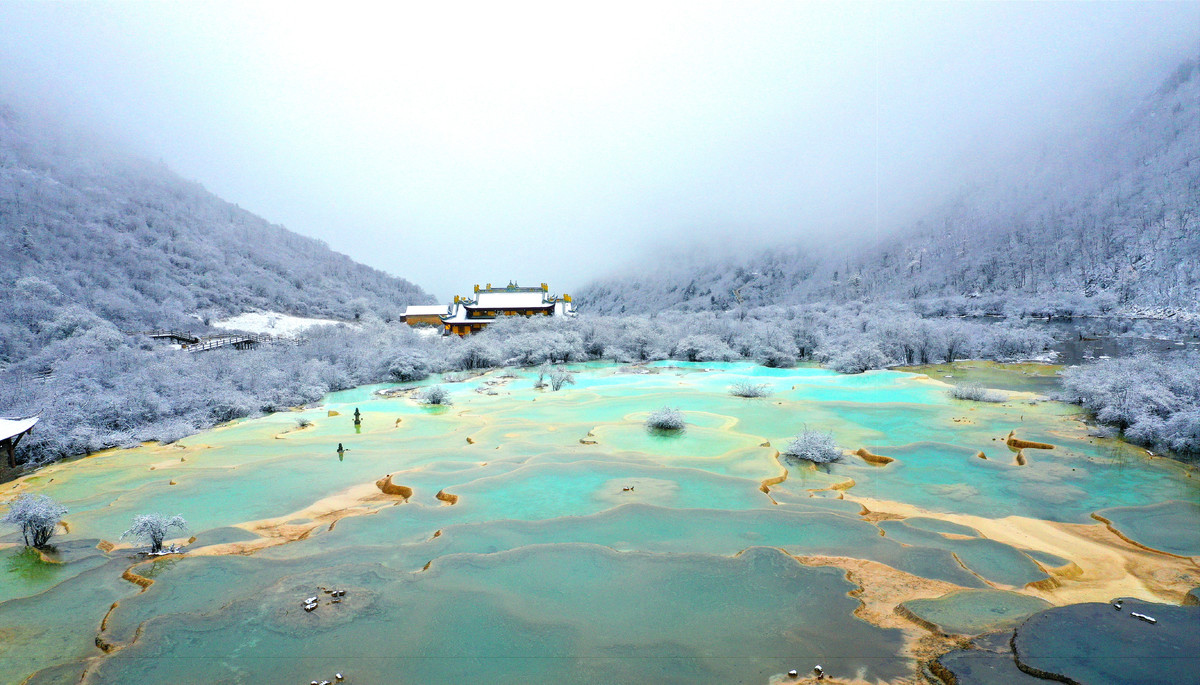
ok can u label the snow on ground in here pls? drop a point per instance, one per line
(273, 323)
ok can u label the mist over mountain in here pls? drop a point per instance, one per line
(91, 227)
(1103, 217)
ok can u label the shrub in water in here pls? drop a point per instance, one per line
(748, 389)
(36, 516)
(976, 393)
(435, 394)
(542, 372)
(153, 528)
(559, 378)
(815, 446)
(666, 419)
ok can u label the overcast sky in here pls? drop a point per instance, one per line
(459, 143)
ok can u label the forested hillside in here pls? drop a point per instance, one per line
(1105, 218)
(90, 231)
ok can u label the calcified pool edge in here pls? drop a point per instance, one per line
(537, 480)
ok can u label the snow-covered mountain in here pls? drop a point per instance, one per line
(1107, 217)
(88, 228)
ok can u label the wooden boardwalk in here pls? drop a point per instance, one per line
(204, 343)
(178, 337)
(240, 341)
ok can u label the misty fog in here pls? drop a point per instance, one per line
(470, 143)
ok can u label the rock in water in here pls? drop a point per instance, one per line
(1076, 643)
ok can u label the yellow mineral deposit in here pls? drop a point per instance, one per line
(387, 487)
(873, 459)
(1018, 444)
(1103, 564)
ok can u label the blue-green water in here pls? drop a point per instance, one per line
(582, 547)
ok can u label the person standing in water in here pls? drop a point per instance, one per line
(341, 452)
(357, 421)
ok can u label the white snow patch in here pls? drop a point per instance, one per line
(273, 323)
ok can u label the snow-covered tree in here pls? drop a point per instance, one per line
(559, 378)
(748, 389)
(152, 528)
(434, 395)
(36, 515)
(666, 419)
(816, 446)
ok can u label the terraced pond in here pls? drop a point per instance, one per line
(522, 535)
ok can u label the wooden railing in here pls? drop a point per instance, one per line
(238, 342)
(180, 336)
(193, 343)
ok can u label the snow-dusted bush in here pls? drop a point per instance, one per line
(153, 528)
(764, 342)
(976, 393)
(542, 372)
(1014, 343)
(561, 377)
(748, 389)
(474, 354)
(813, 445)
(1154, 400)
(408, 365)
(617, 354)
(666, 419)
(703, 348)
(644, 339)
(1181, 432)
(857, 359)
(36, 515)
(434, 394)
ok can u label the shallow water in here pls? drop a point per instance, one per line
(582, 547)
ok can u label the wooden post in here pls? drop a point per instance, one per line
(11, 445)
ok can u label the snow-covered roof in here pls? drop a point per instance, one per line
(13, 427)
(489, 300)
(459, 315)
(425, 310)
(516, 299)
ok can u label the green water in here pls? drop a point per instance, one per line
(583, 548)
(975, 611)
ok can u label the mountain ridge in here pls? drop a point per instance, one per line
(1093, 223)
(135, 244)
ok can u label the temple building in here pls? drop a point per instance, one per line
(430, 314)
(469, 315)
